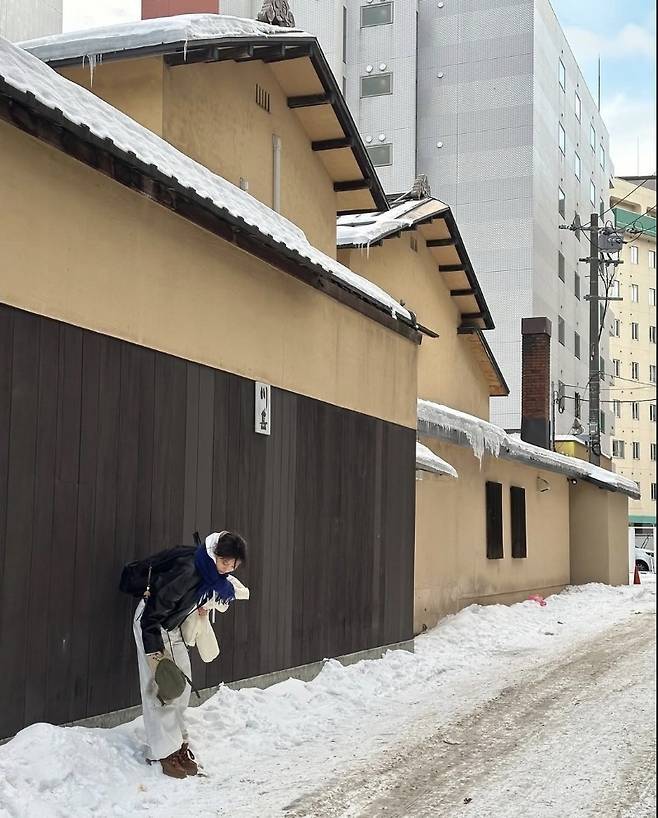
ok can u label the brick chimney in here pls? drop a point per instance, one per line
(536, 381)
(169, 8)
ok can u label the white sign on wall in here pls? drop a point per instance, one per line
(263, 409)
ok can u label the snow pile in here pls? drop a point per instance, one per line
(264, 748)
(363, 229)
(183, 29)
(485, 438)
(426, 460)
(26, 73)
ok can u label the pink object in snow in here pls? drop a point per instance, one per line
(538, 599)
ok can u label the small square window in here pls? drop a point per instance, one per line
(635, 371)
(635, 331)
(616, 367)
(561, 202)
(618, 449)
(652, 296)
(635, 293)
(602, 156)
(616, 328)
(380, 155)
(560, 330)
(576, 345)
(652, 335)
(592, 138)
(576, 285)
(562, 75)
(602, 422)
(578, 106)
(653, 452)
(561, 138)
(592, 193)
(576, 165)
(616, 405)
(635, 410)
(635, 253)
(376, 85)
(652, 259)
(560, 266)
(652, 412)
(652, 373)
(636, 450)
(614, 289)
(379, 15)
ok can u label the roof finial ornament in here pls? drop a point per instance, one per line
(421, 188)
(276, 13)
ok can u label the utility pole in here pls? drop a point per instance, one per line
(594, 356)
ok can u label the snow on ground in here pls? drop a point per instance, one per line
(265, 750)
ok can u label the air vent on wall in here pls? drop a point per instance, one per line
(262, 98)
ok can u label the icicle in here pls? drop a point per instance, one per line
(185, 50)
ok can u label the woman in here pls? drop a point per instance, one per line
(179, 587)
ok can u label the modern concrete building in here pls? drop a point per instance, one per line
(487, 99)
(23, 19)
(633, 348)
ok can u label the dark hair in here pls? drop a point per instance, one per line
(232, 546)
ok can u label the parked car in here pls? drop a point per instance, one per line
(645, 560)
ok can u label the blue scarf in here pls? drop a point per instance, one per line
(211, 580)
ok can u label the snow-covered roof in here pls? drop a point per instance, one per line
(183, 30)
(67, 101)
(426, 460)
(485, 438)
(363, 229)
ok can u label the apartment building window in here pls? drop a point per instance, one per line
(561, 202)
(601, 208)
(592, 193)
(379, 15)
(602, 156)
(560, 329)
(652, 296)
(635, 293)
(635, 254)
(592, 138)
(652, 259)
(602, 422)
(380, 155)
(562, 75)
(653, 452)
(577, 405)
(635, 410)
(614, 289)
(652, 373)
(618, 449)
(576, 285)
(561, 138)
(652, 412)
(518, 515)
(376, 85)
(616, 367)
(652, 334)
(578, 106)
(616, 406)
(653, 491)
(636, 450)
(576, 345)
(635, 371)
(576, 165)
(560, 266)
(494, 511)
(616, 328)
(635, 331)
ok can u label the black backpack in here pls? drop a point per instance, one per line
(136, 576)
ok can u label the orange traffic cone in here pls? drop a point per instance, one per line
(636, 578)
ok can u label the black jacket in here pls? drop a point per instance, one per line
(173, 596)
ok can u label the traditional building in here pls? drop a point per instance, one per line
(181, 354)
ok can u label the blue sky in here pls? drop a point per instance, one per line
(623, 32)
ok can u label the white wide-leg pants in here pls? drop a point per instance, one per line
(164, 724)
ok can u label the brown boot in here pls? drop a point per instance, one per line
(186, 759)
(172, 766)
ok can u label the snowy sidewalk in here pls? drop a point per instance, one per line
(275, 752)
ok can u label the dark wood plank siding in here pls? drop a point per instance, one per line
(110, 451)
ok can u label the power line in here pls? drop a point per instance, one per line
(637, 187)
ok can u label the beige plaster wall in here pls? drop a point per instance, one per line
(79, 247)
(211, 114)
(452, 569)
(133, 86)
(447, 371)
(599, 535)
